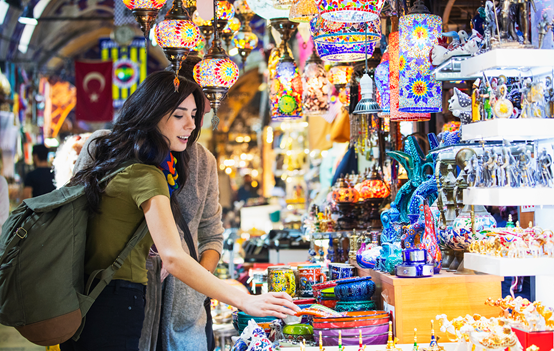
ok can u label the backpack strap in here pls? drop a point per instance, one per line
(107, 274)
(20, 233)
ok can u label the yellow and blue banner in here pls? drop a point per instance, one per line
(129, 66)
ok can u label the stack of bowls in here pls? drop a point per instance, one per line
(354, 294)
(373, 325)
(324, 294)
(240, 320)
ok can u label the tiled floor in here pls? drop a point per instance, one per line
(10, 340)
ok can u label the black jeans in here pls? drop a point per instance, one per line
(114, 322)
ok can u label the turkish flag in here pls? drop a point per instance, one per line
(93, 81)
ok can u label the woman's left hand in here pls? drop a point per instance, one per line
(276, 304)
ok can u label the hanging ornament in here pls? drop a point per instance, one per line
(394, 74)
(367, 105)
(177, 35)
(350, 11)
(286, 86)
(244, 39)
(216, 73)
(265, 9)
(229, 31)
(316, 87)
(382, 83)
(145, 12)
(303, 11)
(419, 32)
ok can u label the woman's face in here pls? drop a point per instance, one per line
(178, 126)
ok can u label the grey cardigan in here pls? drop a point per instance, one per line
(182, 315)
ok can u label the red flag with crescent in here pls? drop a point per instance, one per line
(93, 81)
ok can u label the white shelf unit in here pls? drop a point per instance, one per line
(508, 267)
(510, 129)
(505, 196)
(509, 62)
(515, 63)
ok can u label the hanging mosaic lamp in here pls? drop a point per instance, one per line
(229, 31)
(303, 11)
(344, 42)
(340, 75)
(145, 12)
(189, 5)
(244, 39)
(367, 105)
(198, 50)
(225, 11)
(243, 11)
(350, 10)
(282, 4)
(286, 87)
(205, 27)
(394, 74)
(315, 87)
(177, 35)
(216, 73)
(383, 86)
(419, 32)
(265, 9)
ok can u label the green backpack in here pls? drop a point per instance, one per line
(42, 258)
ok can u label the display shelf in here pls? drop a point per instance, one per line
(509, 62)
(509, 196)
(509, 267)
(509, 129)
(450, 70)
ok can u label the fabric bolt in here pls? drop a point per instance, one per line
(114, 321)
(119, 217)
(199, 205)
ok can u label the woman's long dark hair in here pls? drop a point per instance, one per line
(136, 135)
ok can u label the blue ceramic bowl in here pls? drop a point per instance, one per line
(355, 289)
(355, 306)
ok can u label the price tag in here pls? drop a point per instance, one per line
(528, 208)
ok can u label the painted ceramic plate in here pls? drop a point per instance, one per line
(352, 280)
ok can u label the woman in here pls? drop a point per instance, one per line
(154, 127)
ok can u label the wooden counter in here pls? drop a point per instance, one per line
(416, 301)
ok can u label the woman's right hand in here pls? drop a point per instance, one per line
(271, 304)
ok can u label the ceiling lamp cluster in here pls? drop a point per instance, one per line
(216, 73)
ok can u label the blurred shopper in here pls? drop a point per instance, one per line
(40, 181)
(247, 191)
(155, 127)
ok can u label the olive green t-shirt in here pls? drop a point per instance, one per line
(121, 215)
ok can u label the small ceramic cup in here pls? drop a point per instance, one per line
(281, 279)
(309, 275)
(341, 270)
